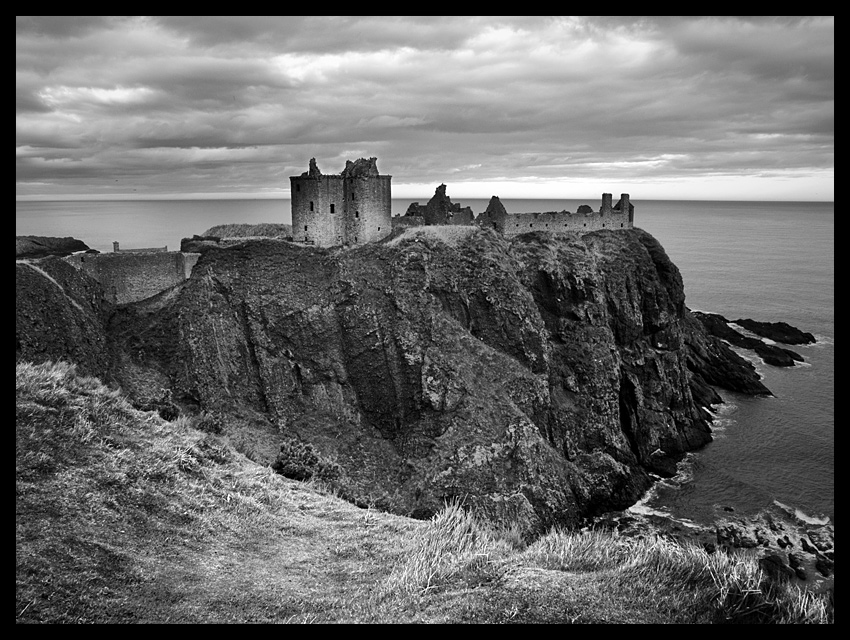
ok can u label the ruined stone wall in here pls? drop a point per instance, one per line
(130, 277)
(368, 214)
(312, 200)
(518, 223)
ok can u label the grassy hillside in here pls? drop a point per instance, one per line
(122, 516)
(261, 230)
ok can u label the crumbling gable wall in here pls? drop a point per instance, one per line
(441, 210)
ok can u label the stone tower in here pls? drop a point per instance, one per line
(353, 207)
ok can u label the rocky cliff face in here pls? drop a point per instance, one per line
(60, 314)
(542, 378)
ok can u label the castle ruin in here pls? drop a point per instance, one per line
(440, 210)
(353, 207)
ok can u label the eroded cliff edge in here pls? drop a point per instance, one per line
(543, 378)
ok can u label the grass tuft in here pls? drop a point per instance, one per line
(453, 546)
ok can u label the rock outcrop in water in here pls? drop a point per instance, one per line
(542, 379)
(718, 326)
(776, 331)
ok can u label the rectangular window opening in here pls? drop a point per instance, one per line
(332, 208)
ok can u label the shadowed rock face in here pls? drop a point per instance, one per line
(60, 314)
(541, 378)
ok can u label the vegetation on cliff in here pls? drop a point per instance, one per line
(122, 516)
(42, 246)
(244, 230)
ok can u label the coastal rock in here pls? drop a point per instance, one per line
(718, 326)
(775, 566)
(797, 563)
(822, 537)
(777, 331)
(42, 246)
(825, 566)
(807, 547)
(782, 556)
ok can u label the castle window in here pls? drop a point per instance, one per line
(603, 225)
(332, 208)
(379, 228)
(356, 214)
(352, 196)
(355, 239)
(531, 225)
(305, 227)
(311, 205)
(585, 224)
(621, 224)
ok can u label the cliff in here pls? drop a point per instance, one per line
(542, 378)
(42, 246)
(60, 314)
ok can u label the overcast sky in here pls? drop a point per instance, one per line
(661, 108)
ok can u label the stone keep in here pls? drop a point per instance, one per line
(353, 207)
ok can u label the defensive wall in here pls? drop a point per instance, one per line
(353, 207)
(608, 217)
(116, 247)
(130, 276)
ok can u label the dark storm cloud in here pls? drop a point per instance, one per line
(241, 102)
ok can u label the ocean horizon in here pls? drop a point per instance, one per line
(770, 261)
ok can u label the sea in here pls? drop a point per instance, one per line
(769, 261)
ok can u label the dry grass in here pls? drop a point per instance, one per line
(452, 235)
(261, 230)
(124, 517)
